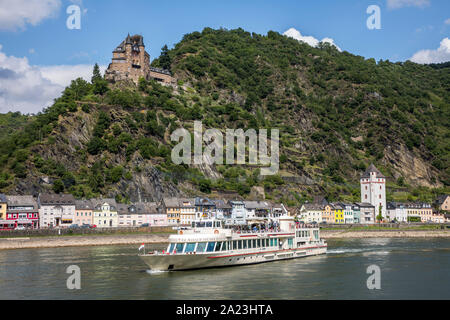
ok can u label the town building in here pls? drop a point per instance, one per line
(56, 210)
(238, 213)
(204, 206)
(443, 202)
(279, 210)
(141, 213)
(131, 61)
(367, 212)
(84, 212)
(188, 211)
(397, 212)
(419, 211)
(328, 214)
(172, 209)
(105, 213)
(338, 213)
(222, 210)
(311, 212)
(348, 213)
(257, 211)
(23, 211)
(356, 213)
(373, 189)
(3, 206)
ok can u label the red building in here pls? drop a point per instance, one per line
(23, 211)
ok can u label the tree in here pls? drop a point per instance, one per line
(96, 75)
(379, 216)
(58, 186)
(164, 60)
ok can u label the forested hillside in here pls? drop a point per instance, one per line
(336, 113)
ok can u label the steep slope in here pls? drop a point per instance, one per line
(336, 113)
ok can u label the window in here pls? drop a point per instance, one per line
(210, 247)
(239, 244)
(271, 242)
(179, 247)
(245, 244)
(190, 247)
(218, 246)
(254, 243)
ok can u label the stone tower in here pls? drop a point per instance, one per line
(373, 189)
(131, 61)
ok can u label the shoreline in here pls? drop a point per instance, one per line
(106, 240)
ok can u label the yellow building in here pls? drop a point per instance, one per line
(338, 214)
(187, 210)
(172, 208)
(3, 206)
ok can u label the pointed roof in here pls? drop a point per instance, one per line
(370, 169)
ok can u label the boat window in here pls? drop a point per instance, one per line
(271, 242)
(245, 244)
(250, 244)
(201, 247)
(225, 246)
(234, 245)
(258, 243)
(209, 224)
(254, 243)
(190, 247)
(219, 244)
(240, 244)
(275, 241)
(210, 247)
(171, 247)
(179, 247)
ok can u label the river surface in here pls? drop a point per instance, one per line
(410, 269)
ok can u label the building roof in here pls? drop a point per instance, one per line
(370, 169)
(222, 204)
(257, 205)
(313, 206)
(441, 199)
(365, 204)
(171, 202)
(18, 201)
(3, 198)
(83, 205)
(56, 199)
(97, 203)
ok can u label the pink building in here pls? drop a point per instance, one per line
(84, 212)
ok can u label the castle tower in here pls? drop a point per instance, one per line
(373, 189)
(130, 61)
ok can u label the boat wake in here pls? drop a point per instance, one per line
(153, 272)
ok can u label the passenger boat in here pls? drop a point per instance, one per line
(207, 245)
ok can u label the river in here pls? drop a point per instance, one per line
(409, 269)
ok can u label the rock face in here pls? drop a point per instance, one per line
(257, 193)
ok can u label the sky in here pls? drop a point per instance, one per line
(40, 54)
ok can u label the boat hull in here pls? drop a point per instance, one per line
(179, 262)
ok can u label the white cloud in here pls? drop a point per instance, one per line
(397, 4)
(29, 89)
(441, 54)
(313, 42)
(447, 21)
(17, 14)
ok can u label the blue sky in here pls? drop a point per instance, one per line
(41, 35)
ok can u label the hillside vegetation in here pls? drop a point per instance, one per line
(336, 113)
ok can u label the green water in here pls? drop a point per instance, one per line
(410, 269)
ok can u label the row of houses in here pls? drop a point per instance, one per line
(63, 210)
(365, 213)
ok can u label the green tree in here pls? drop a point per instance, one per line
(164, 60)
(96, 75)
(58, 186)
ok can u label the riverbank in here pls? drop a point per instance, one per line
(374, 233)
(118, 239)
(80, 241)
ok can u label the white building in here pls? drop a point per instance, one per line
(348, 213)
(397, 211)
(311, 212)
(105, 213)
(56, 210)
(373, 189)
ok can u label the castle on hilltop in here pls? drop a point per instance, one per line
(131, 61)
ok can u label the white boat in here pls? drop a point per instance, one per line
(207, 245)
